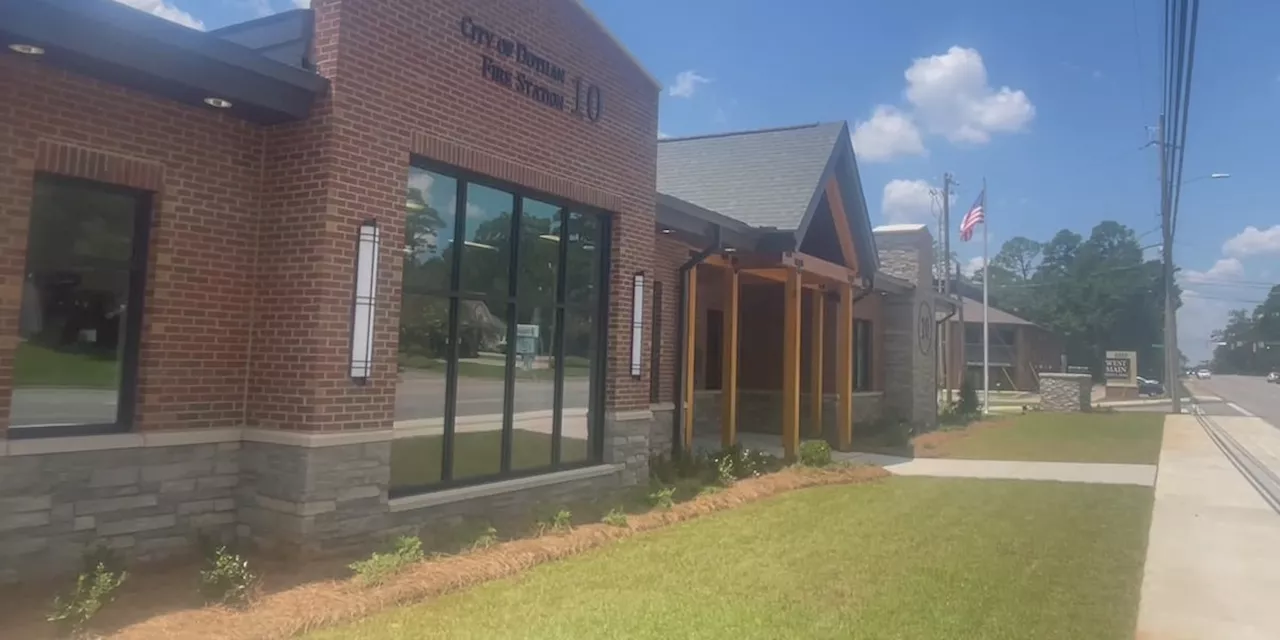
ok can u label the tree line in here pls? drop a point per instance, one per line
(1250, 341)
(1096, 294)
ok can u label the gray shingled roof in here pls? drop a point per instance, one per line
(973, 313)
(763, 178)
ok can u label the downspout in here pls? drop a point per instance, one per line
(940, 325)
(682, 303)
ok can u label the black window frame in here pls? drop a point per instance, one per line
(599, 310)
(139, 254)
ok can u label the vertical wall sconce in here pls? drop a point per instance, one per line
(366, 293)
(637, 322)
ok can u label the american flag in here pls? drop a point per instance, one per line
(976, 215)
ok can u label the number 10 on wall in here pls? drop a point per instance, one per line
(586, 100)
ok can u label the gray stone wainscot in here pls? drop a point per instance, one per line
(148, 496)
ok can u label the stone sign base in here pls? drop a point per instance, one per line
(1065, 392)
(1122, 393)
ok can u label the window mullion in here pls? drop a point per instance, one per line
(512, 307)
(557, 340)
(451, 349)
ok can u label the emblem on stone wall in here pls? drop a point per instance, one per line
(924, 328)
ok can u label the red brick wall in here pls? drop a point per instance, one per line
(249, 298)
(405, 79)
(668, 254)
(205, 169)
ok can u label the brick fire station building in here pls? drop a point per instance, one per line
(337, 273)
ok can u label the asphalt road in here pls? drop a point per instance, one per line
(1243, 395)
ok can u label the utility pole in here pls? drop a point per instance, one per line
(1170, 311)
(948, 365)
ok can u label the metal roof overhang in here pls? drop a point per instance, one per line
(691, 219)
(120, 45)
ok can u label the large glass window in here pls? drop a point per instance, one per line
(498, 334)
(75, 364)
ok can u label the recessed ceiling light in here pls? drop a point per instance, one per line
(218, 103)
(27, 49)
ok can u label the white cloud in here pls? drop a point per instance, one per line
(971, 267)
(686, 84)
(162, 9)
(952, 97)
(1253, 241)
(662, 135)
(302, 4)
(889, 133)
(907, 201)
(1224, 269)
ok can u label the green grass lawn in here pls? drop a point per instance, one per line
(1132, 437)
(39, 366)
(905, 558)
(416, 461)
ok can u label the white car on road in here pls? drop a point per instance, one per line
(1204, 374)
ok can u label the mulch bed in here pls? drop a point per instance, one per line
(294, 601)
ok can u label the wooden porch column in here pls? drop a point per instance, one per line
(689, 346)
(844, 369)
(791, 365)
(815, 362)
(729, 365)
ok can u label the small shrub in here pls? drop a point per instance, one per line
(94, 590)
(662, 497)
(561, 522)
(380, 566)
(815, 453)
(724, 471)
(615, 518)
(486, 539)
(743, 463)
(227, 579)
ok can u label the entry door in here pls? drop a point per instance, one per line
(715, 347)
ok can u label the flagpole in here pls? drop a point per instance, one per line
(986, 328)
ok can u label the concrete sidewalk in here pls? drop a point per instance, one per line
(1139, 474)
(1213, 558)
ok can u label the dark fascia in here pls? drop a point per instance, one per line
(121, 45)
(843, 165)
(689, 218)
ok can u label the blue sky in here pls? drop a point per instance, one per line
(1050, 102)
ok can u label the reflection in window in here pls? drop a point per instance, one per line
(481, 402)
(486, 245)
(84, 260)
(582, 261)
(534, 378)
(428, 242)
(481, 333)
(579, 354)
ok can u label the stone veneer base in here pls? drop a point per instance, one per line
(151, 496)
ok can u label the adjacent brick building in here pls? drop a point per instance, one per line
(343, 272)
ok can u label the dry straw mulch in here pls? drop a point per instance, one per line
(312, 606)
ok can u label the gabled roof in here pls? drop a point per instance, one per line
(771, 179)
(973, 313)
(763, 178)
